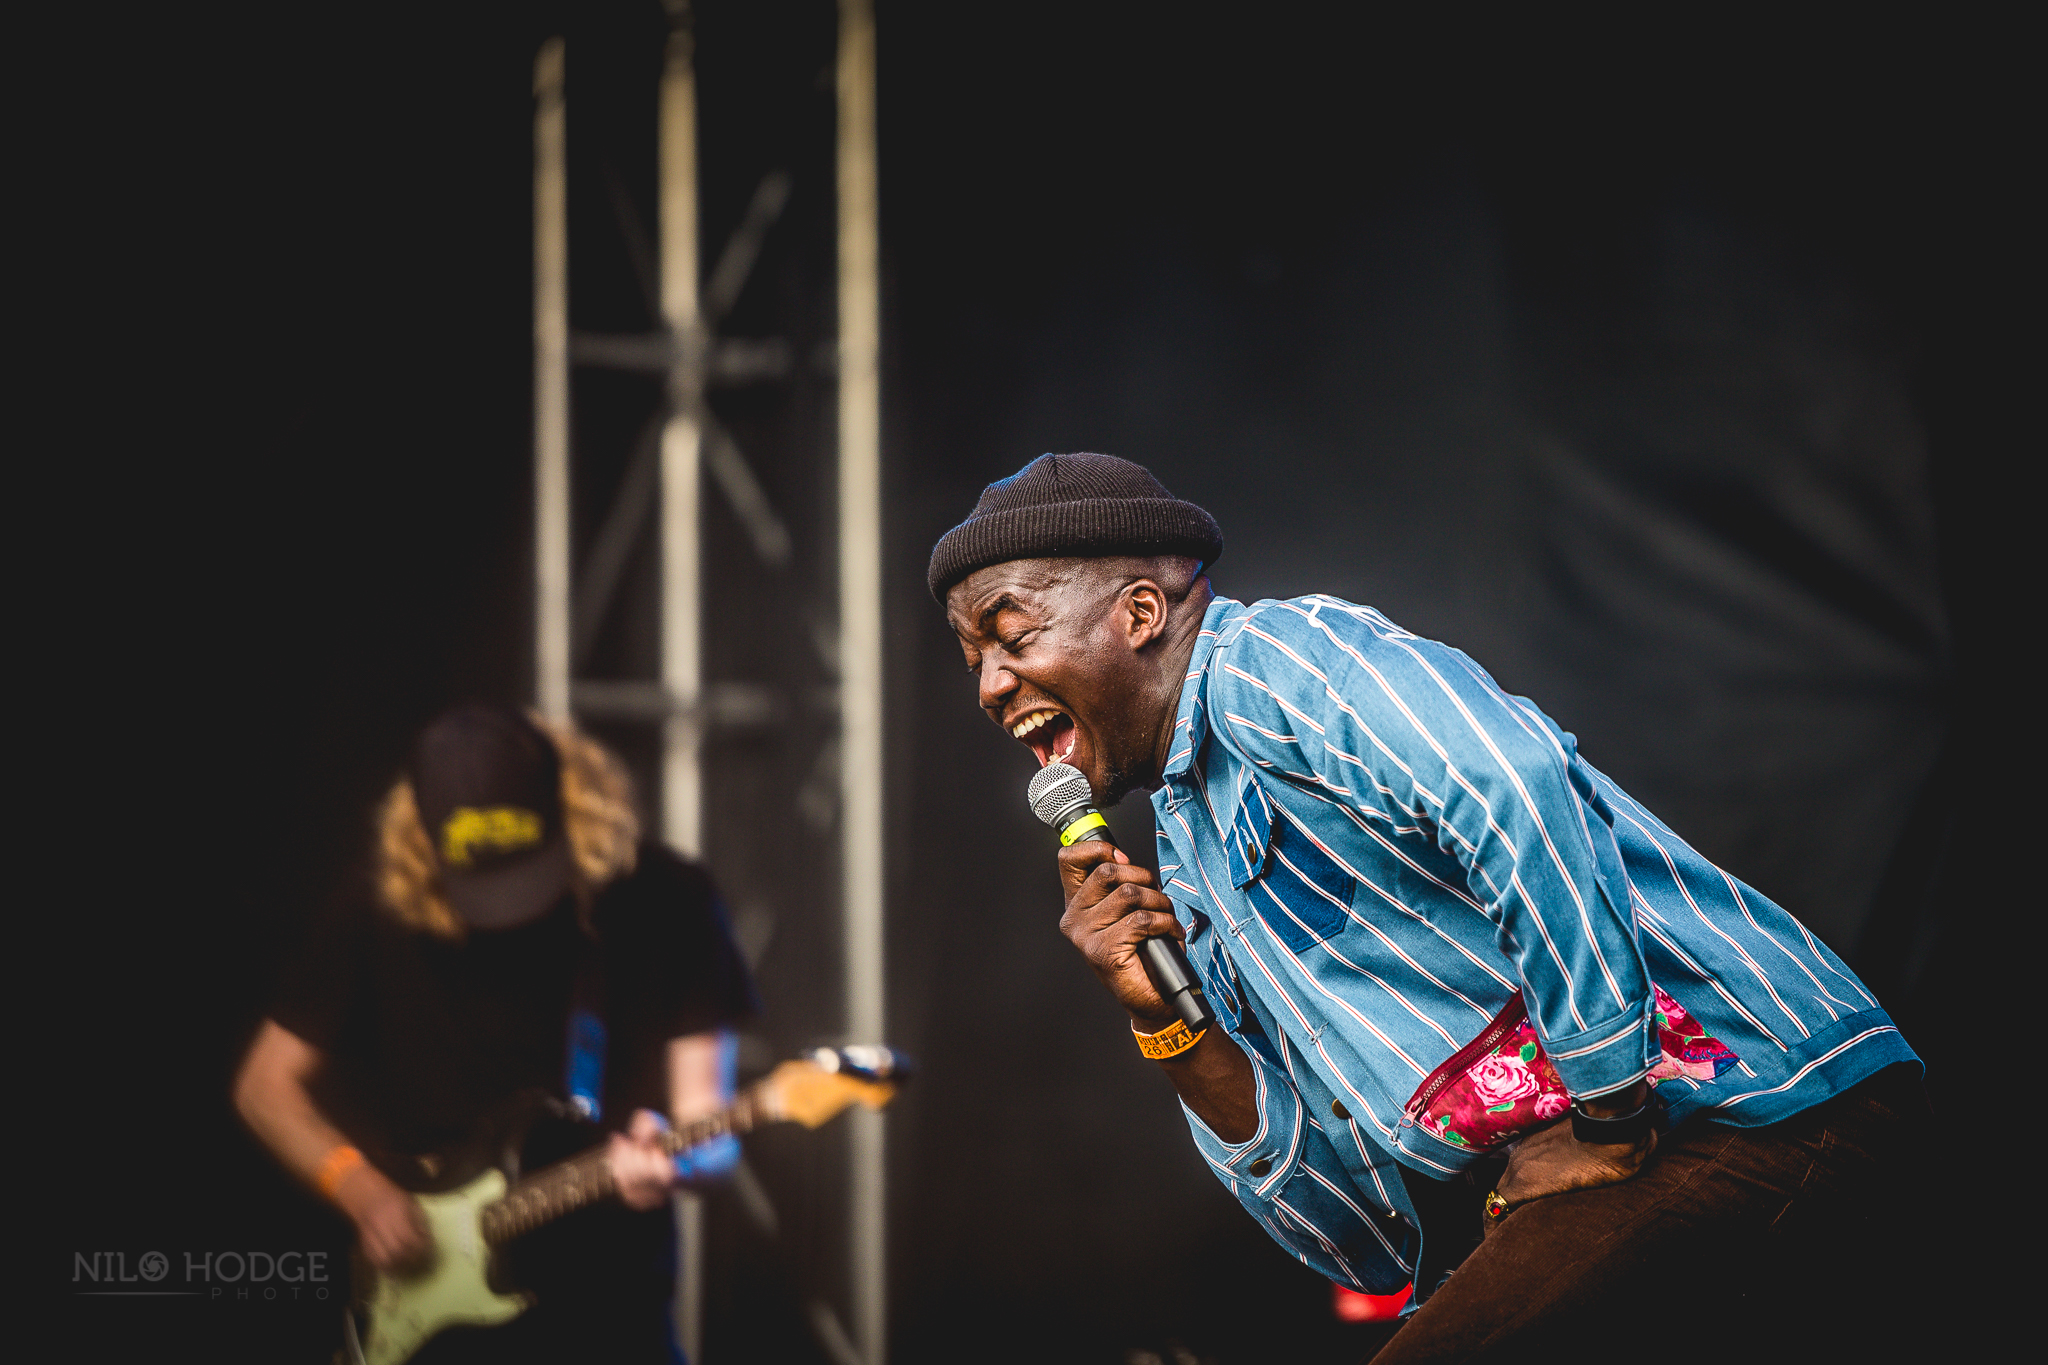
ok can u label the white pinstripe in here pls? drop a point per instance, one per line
(1803, 1072)
(1452, 772)
(1381, 995)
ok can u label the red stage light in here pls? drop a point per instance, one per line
(1351, 1306)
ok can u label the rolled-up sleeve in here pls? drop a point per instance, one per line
(1412, 735)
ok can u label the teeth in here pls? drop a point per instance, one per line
(1031, 722)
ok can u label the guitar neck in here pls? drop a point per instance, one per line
(569, 1185)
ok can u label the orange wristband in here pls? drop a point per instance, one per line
(1168, 1042)
(335, 1168)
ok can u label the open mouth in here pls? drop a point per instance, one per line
(1049, 734)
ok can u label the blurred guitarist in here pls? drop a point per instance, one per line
(519, 951)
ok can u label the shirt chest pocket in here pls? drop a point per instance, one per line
(1295, 888)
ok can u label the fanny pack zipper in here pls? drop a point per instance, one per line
(1504, 1023)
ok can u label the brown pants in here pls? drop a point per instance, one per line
(1796, 1241)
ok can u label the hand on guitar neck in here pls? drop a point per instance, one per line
(642, 1169)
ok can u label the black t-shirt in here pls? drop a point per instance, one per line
(431, 1041)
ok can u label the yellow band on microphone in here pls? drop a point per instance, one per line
(1081, 826)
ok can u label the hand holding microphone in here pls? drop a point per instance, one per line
(1116, 914)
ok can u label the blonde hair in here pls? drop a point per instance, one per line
(597, 812)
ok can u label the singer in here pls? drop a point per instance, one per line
(1476, 1010)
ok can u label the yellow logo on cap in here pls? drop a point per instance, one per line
(469, 831)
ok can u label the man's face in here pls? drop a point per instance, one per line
(1054, 653)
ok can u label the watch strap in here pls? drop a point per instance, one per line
(1613, 1131)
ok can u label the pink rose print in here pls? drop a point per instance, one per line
(1501, 1080)
(1480, 1105)
(1672, 1067)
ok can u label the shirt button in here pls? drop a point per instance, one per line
(1260, 1167)
(1337, 1108)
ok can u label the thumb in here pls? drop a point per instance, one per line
(1122, 857)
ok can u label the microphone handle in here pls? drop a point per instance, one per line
(1166, 962)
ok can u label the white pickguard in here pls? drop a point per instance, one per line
(405, 1311)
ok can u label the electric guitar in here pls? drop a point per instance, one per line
(466, 1224)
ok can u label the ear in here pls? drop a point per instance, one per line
(1143, 609)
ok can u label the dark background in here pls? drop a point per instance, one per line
(1669, 373)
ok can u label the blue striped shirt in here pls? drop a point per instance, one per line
(1373, 846)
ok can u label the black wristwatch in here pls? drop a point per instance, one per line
(1621, 1128)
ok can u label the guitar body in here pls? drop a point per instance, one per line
(467, 1223)
(453, 1291)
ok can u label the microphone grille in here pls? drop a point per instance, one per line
(1057, 791)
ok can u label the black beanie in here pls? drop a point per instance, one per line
(1082, 505)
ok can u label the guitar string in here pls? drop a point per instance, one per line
(535, 1200)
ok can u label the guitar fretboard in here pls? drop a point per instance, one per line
(549, 1193)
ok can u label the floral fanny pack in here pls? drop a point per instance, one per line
(1501, 1084)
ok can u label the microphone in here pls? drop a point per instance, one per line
(1061, 797)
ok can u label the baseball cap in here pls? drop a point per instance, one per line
(488, 785)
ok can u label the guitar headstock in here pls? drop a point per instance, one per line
(813, 1089)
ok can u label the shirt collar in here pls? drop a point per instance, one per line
(1190, 719)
